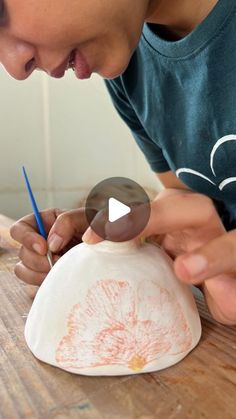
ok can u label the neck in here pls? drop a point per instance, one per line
(179, 17)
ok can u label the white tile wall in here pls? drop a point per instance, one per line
(68, 136)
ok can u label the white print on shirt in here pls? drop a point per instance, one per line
(226, 138)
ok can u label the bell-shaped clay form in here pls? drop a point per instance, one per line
(113, 309)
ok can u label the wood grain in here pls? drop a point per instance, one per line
(203, 385)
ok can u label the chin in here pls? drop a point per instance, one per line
(114, 71)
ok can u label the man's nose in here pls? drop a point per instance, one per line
(17, 57)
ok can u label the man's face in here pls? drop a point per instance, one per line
(88, 35)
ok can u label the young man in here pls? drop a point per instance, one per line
(170, 69)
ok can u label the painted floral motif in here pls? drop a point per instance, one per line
(118, 325)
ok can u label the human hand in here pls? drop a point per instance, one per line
(203, 252)
(189, 228)
(64, 229)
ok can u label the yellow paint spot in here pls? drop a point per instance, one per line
(137, 363)
(142, 240)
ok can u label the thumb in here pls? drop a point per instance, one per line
(98, 224)
(90, 237)
(215, 258)
(69, 225)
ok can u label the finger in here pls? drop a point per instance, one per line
(90, 237)
(68, 225)
(28, 276)
(171, 191)
(35, 262)
(156, 239)
(34, 242)
(215, 258)
(97, 225)
(25, 230)
(101, 228)
(171, 211)
(179, 211)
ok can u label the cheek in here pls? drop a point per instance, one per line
(38, 23)
(40, 34)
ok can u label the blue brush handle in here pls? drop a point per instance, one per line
(37, 215)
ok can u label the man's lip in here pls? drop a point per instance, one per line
(80, 66)
(59, 71)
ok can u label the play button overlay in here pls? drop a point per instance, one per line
(117, 209)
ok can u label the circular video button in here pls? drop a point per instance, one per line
(118, 209)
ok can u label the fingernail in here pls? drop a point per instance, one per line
(87, 236)
(37, 248)
(195, 265)
(55, 243)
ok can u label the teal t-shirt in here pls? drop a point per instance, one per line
(179, 100)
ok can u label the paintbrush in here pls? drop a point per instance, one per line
(37, 215)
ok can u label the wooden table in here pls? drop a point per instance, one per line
(203, 385)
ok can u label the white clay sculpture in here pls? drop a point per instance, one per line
(113, 309)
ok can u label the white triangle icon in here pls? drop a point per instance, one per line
(116, 210)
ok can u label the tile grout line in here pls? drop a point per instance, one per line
(47, 140)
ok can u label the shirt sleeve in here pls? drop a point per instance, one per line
(151, 150)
